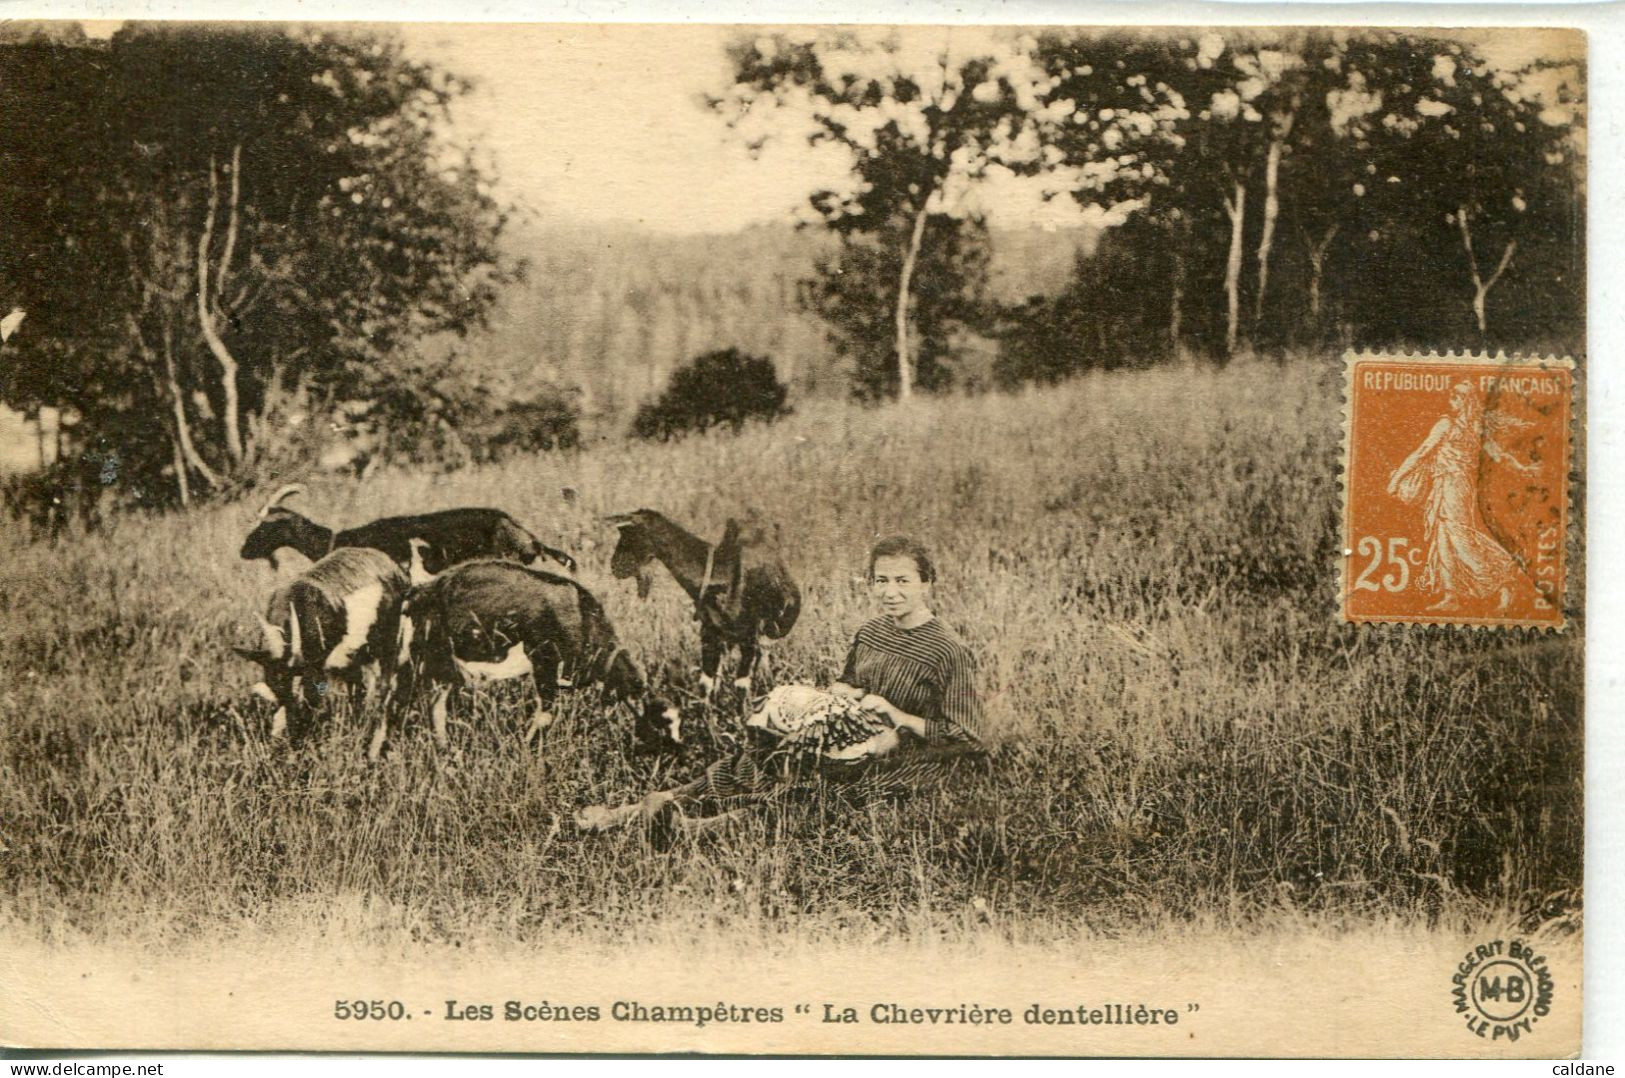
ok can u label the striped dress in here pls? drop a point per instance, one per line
(925, 671)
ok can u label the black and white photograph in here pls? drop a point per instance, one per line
(903, 540)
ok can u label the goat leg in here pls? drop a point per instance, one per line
(710, 659)
(371, 676)
(749, 649)
(546, 676)
(437, 712)
(378, 737)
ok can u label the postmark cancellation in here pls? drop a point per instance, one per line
(1456, 489)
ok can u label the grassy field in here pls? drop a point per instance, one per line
(1144, 562)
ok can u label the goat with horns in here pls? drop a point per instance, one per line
(741, 590)
(450, 536)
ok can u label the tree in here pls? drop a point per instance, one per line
(240, 225)
(1111, 314)
(1473, 153)
(950, 280)
(1129, 117)
(1362, 142)
(921, 126)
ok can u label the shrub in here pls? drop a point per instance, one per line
(724, 388)
(549, 420)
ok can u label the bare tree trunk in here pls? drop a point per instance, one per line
(1237, 210)
(1266, 239)
(182, 484)
(1481, 287)
(223, 273)
(186, 449)
(1317, 267)
(183, 430)
(205, 314)
(1176, 313)
(39, 435)
(905, 356)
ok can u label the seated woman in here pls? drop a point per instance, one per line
(909, 686)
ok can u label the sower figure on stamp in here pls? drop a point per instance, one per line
(903, 715)
(1463, 558)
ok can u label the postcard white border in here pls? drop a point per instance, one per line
(1604, 1037)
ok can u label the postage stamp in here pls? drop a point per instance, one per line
(1456, 499)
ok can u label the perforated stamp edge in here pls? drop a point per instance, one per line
(1345, 553)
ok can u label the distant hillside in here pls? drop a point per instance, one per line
(614, 310)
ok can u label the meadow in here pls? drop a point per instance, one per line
(1145, 563)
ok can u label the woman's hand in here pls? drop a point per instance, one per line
(845, 691)
(879, 705)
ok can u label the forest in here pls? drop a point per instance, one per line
(235, 254)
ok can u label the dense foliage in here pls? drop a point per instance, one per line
(219, 231)
(718, 389)
(1282, 188)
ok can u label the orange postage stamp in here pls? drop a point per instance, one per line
(1456, 489)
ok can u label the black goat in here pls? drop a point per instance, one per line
(490, 620)
(339, 619)
(451, 536)
(741, 590)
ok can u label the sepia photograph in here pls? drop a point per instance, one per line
(903, 540)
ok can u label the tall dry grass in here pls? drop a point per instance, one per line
(1145, 564)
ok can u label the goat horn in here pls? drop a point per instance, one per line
(295, 645)
(286, 492)
(275, 643)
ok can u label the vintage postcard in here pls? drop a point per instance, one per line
(830, 540)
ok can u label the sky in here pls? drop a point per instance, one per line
(606, 123)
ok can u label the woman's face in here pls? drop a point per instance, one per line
(899, 589)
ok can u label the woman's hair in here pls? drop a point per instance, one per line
(901, 546)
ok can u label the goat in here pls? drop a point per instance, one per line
(490, 620)
(741, 592)
(339, 618)
(452, 536)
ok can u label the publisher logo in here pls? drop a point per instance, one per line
(1501, 989)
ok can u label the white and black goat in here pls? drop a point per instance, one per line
(488, 620)
(450, 536)
(339, 621)
(741, 590)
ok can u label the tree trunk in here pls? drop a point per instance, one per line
(206, 314)
(1481, 287)
(183, 430)
(1176, 313)
(170, 386)
(182, 484)
(1317, 263)
(905, 355)
(1232, 268)
(1266, 239)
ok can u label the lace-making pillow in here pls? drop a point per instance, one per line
(810, 720)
